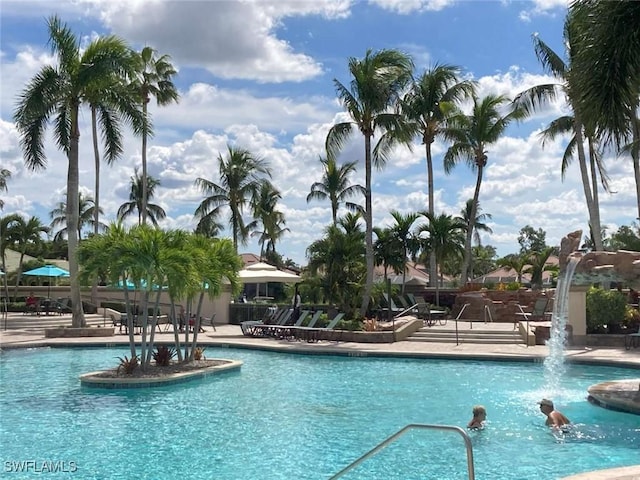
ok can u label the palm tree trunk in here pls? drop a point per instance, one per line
(130, 324)
(143, 213)
(73, 178)
(96, 213)
(176, 335)
(594, 184)
(433, 275)
(635, 157)
(586, 185)
(368, 287)
(15, 292)
(467, 243)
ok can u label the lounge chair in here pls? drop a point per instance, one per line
(262, 329)
(412, 299)
(390, 305)
(311, 334)
(270, 318)
(281, 331)
(61, 306)
(538, 313)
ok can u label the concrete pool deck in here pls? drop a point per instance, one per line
(231, 336)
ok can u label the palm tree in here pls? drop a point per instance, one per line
(534, 98)
(272, 221)
(387, 251)
(376, 85)
(338, 259)
(335, 186)
(137, 204)
(444, 237)
(25, 233)
(408, 244)
(112, 104)
(153, 79)
(472, 134)
(476, 225)
(432, 100)
(241, 174)
(7, 238)
(58, 92)
(608, 67)
(538, 264)
(86, 217)
(4, 175)
(515, 261)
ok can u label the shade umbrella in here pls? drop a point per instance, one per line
(48, 271)
(264, 273)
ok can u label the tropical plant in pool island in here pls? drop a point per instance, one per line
(187, 266)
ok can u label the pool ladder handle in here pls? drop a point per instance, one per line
(402, 431)
(458, 318)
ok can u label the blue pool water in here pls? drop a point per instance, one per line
(288, 416)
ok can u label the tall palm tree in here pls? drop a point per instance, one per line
(86, 217)
(472, 134)
(534, 98)
(241, 175)
(377, 82)
(538, 264)
(57, 92)
(154, 78)
(112, 103)
(271, 220)
(407, 242)
(25, 233)
(4, 176)
(445, 237)
(608, 68)
(137, 203)
(335, 186)
(434, 97)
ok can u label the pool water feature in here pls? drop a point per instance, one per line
(554, 363)
(288, 416)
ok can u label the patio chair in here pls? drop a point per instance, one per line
(632, 340)
(412, 299)
(539, 312)
(390, 305)
(61, 306)
(311, 334)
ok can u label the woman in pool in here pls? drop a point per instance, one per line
(479, 416)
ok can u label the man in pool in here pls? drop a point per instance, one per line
(554, 417)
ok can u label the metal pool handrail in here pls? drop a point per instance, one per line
(458, 318)
(402, 431)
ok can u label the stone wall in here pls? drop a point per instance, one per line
(502, 304)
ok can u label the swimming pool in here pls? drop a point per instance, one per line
(287, 416)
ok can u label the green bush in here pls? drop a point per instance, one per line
(513, 286)
(605, 308)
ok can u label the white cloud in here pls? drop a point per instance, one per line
(232, 39)
(544, 7)
(405, 7)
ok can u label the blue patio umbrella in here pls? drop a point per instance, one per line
(48, 271)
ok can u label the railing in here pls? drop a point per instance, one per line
(402, 431)
(458, 318)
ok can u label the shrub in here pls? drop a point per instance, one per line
(513, 286)
(127, 365)
(370, 325)
(631, 316)
(163, 355)
(604, 307)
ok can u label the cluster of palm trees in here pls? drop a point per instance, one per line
(386, 103)
(117, 84)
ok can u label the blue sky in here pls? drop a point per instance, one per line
(260, 75)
